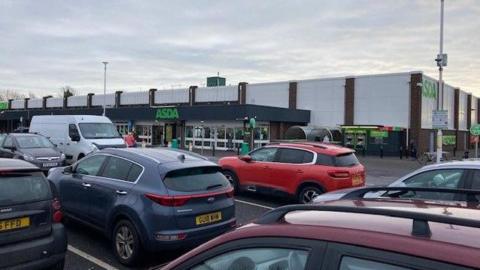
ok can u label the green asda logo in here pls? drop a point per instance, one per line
(429, 89)
(3, 105)
(166, 113)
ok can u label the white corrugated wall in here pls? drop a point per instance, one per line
(35, 103)
(77, 101)
(171, 96)
(97, 100)
(18, 104)
(268, 94)
(134, 98)
(216, 94)
(325, 98)
(382, 100)
(54, 102)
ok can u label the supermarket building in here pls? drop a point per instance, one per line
(385, 111)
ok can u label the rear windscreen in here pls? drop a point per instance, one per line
(18, 188)
(196, 179)
(346, 160)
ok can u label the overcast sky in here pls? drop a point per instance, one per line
(45, 45)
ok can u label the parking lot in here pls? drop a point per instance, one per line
(89, 249)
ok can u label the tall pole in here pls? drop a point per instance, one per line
(440, 64)
(104, 87)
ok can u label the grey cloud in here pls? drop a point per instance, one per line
(48, 44)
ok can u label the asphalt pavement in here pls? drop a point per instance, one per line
(89, 249)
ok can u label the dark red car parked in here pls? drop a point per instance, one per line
(374, 234)
(298, 170)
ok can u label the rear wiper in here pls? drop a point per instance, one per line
(214, 186)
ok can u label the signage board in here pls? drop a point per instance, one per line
(440, 119)
(429, 89)
(3, 105)
(475, 130)
(449, 139)
(167, 113)
(379, 133)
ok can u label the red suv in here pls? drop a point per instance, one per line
(299, 170)
(374, 234)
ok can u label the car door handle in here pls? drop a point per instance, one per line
(299, 171)
(121, 192)
(265, 167)
(86, 185)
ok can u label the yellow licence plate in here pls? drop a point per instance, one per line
(208, 218)
(356, 180)
(12, 224)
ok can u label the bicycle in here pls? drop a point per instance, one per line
(430, 157)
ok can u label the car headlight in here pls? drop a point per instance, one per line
(94, 147)
(28, 157)
(62, 156)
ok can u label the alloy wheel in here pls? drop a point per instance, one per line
(124, 242)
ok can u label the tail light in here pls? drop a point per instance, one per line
(57, 213)
(166, 200)
(180, 200)
(339, 174)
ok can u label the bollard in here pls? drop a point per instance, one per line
(190, 147)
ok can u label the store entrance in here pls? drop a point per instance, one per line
(170, 132)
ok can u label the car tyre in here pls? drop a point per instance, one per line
(126, 243)
(59, 265)
(308, 193)
(233, 179)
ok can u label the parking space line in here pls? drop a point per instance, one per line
(254, 204)
(91, 258)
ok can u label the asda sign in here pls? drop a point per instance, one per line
(429, 89)
(167, 113)
(3, 105)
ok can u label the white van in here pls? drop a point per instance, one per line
(77, 135)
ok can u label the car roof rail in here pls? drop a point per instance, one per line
(420, 226)
(471, 194)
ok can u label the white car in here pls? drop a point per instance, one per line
(451, 175)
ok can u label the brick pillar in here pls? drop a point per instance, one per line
(456, 114)
(416, 113)
(349, 101)
(25, 104)
(478, 111)
(292, 95)
(44, 102)
(192, 90)
(89, 99)
(242, 93)
(10, 104)
(151, 97)
(118, 98)
(469, 111)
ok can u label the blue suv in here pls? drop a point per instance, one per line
(147, 199)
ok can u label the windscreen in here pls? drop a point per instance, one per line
(27, 142)
(98, 131)
(196, 179)
(18, 188)
(346, 160)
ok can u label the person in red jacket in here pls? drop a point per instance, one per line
(130, 140)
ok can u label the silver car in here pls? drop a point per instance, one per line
(451, 175)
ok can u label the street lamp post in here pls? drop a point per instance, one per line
(104, 87)
(441, 62)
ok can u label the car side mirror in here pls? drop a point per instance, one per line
(11, 148)
(246, 158)
(68, 170)
(75, 138)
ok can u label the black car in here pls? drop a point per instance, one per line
(31, 233)
(33, 148)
